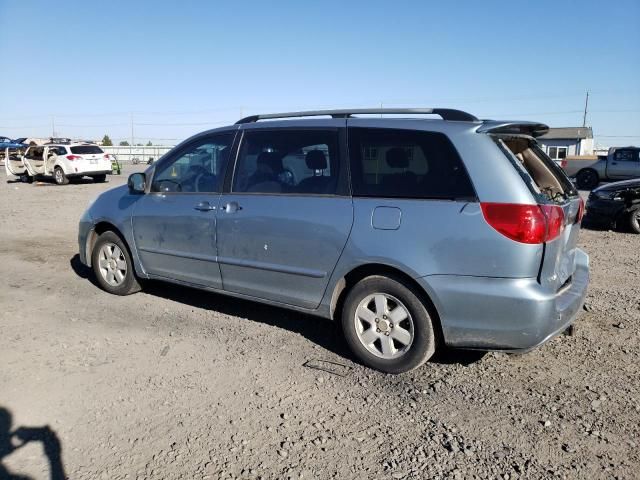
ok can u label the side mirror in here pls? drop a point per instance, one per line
(137, 182)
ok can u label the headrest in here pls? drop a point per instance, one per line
(265, 158)
(316, 160)
(397, 158)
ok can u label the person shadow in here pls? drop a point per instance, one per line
(10, 441)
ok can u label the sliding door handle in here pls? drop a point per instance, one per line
(232, 207)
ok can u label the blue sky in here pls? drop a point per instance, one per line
(181, 67)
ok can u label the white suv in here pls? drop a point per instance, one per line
(61, 161)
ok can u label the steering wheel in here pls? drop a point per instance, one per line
(204, 176)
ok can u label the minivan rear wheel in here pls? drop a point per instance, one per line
(387, 326)
(112, 265)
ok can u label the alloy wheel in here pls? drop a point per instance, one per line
(384, 325)
(112, 264)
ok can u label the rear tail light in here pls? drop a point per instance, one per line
(555, 221)
(73, 157)
(106, 155)
(531, 224)
(580, 211)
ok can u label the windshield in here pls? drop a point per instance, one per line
(86, 149)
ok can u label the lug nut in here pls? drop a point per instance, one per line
(391, 325)
(386, 333)
(377, 320)
(378, 330)
(384, 316)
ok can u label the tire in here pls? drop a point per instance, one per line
(412, 339)
(59, 176)
(587, 179)
(633, 220)
(99, 178)
(112, 275)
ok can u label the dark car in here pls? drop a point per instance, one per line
(615, 205)
(6, 142)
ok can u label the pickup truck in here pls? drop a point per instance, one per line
(620, 163)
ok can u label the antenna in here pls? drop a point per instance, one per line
(586, 105)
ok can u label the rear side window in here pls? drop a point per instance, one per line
(288, 161)
(86, 149)
(406, 164)
(59, 150)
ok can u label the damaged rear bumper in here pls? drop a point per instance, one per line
(507, 314)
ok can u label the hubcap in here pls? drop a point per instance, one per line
(384, 325)
(112, 264)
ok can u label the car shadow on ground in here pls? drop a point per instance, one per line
(321, 331)
(10, 441)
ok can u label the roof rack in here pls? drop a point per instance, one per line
(445, 113)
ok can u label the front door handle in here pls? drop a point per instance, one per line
(232, 207)
(204, 207)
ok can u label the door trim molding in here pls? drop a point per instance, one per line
(272, 267)
(175, 253)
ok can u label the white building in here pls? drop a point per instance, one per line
(562, 142)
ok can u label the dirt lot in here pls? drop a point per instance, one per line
(176, 383)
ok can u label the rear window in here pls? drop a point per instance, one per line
(406, 164)
(86, 149)
(543, 176)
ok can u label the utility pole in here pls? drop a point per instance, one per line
(586, 105)
(53, 126)
(131, 145)
(131, 128)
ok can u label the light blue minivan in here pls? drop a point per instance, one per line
(413, 232)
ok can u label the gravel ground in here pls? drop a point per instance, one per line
(177, 383)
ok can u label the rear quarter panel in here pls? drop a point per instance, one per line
(436, 237)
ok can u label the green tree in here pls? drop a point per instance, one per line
(149, 144)
(106, 141)
(124, 143)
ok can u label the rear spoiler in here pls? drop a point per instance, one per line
(532, 129)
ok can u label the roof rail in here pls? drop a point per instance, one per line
(445, 113)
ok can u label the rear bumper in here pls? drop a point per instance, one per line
(505, 313)
(82, 173)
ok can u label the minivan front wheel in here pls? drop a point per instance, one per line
(112, 265)
(387, 326)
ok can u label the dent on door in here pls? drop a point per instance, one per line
(281, 248)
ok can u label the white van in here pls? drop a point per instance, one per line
(60, 162)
